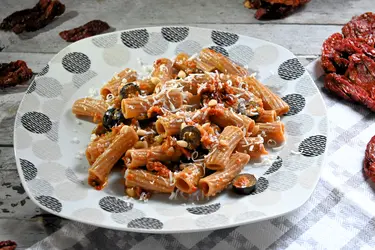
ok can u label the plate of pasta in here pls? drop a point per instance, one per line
(171, 129)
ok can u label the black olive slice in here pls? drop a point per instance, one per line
(192, 136)
(129, 90)
(113, 117)
(244, 184)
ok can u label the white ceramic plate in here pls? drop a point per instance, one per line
(50, 141)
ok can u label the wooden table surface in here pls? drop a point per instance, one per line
(303, 33)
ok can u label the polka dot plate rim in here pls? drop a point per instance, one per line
(47, 134)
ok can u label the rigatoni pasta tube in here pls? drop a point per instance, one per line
(148, 181)
(272, 132)
(230, 118)
(228, 140)
(112, 87)
(267, 116)
(135, 158)
(221, 63)
(98, 173)
(187, 180)
(162, 70)
(99, 145)
(270, 100)
(90, 107)
(169, 125)
(253, 146)
(218, 181)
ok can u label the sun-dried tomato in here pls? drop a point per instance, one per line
(14, 73)
(8, 245)
(159, 168)
(362, 26)
(91, 28)
(274, 9)
(349, 60)
(33, 19)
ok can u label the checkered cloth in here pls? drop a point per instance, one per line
(339, 214)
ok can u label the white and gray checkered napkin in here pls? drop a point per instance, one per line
(339, 215)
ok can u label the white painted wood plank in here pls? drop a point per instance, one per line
(146, 12)
(14, 202)
(24, 232)
(300, 39)
(7, 160)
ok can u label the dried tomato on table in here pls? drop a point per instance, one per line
(8, 245)
(14, 73)
(369, 162)
(91, 28)
(349, 61)
(274, 9)
(35, 18)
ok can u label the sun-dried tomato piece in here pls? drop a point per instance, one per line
(274, 9)
(361, 70)
(35, 18)
(14, 73)
(8, 245)
(91, 28)
(362, 26)
(369, 162)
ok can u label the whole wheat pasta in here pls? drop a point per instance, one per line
(270, 100)
(112, 87)
(135, 158)
(148, 181)
(267, 116)
(218, 181)
(169, 125)
(98, 173)
(90, 107)
(228, 140)
(187, 180)
(273, 133)
(162, 70)
(253, 146)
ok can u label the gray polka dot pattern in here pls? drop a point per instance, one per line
(211, 220)
(69, 173)
(298, 162)
(53, 108)
(53, 134)
(124, 218)
(189, 47)
(301, 125)
(135, 38)
(81, 79)
(28, 169)
(156, 45)
(44, 71)
(276, 84)
(76, 62)
(175, 34)
(31, 88)
(276, 165)
(114, 205)
(304, 87)
(47, 87)
(46, 150)
(40, 187)
(291, 69)
(241, 54)
(220, 50)
(36, 122)
(106, 41)
(282, 181)
(204, 209)
(146, 223)
(248, 215)
(296, 103)
(313, 146)
(224, 38)
(50, 202)
(261, 186)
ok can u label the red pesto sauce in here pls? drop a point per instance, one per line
(242, 181)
